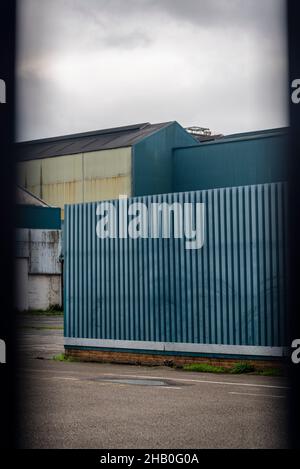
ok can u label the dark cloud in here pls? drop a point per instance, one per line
(238, 13)
(250, 14)
(87, 64)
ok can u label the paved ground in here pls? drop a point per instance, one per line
(40, 336)
(88, 405)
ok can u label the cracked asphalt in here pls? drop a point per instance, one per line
(90, 405)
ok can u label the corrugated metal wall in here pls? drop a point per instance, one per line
(243, 160)
(78, 178)
(153, 160)
(232, 291)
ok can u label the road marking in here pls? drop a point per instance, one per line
(199, 381)
(187, 380)
(167, 387)
(252, 394)
(65, 378)
(61, 377)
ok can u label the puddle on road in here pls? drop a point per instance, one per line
(137, 382)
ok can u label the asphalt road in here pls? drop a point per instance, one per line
(40, 336)
(89, 405)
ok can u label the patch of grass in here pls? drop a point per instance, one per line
(49, 312)
(204, 368)
(242, 367)
(43, 328)
(237, 368)
(62, 357)
(51, 328)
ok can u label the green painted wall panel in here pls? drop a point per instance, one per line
(34, 217)
(228, 162)
(152, 160)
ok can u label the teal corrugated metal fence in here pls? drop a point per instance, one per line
(232, 291)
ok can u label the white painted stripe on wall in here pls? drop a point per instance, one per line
(178, 347)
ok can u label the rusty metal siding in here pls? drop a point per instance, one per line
(42, 248)
(61, 180)
(29, 176)
(230, 292)
(57, 180)
(78, 178)
(107, 174)
(38, 269)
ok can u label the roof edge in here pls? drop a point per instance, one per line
(86, 134)
(281, 131)
(32, 195)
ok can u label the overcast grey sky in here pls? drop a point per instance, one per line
(91, 64)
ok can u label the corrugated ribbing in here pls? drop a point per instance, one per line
(232, 291)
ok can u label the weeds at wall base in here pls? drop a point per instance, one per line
(237, 368)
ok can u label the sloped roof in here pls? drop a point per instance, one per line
(258, 133)
(24, 197)
(89, 141)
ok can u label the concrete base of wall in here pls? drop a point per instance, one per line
(105, 356)
(38, 269)
(44, 291)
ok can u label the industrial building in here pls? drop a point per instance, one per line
(146, 159)
(132, 160)
(151, 300)
(230, 161)
(38, 249)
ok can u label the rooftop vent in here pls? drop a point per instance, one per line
(203, 131)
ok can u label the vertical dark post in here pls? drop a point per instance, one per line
(7, 329)
(294, 212)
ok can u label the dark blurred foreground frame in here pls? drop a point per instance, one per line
(7, 329)
(294, 212)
